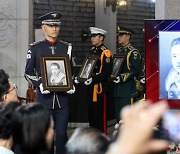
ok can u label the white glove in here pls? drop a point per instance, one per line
(117, 80)
(88, 82)
(42, 90)
(71, 91)
(76, 80)
(143, 80)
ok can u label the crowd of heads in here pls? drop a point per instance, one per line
(29, 128)
(87, 140)
(8, 90)
(4, 83)
(31, 123)
(25, 127)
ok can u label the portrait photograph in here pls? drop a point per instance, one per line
(87, 68)
(162, 61)
(118, 61)
(169, 64)
(56, 73)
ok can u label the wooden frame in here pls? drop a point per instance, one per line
(87, 68)
(56, 73)
(118, 61)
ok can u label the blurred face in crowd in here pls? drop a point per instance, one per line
(175, 55)
(97, 40)
(50, 134)
(11, 94)
(123, 39)
(51, 32)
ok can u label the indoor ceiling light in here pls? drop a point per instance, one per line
(121, 2)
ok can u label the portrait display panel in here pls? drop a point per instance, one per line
(169, 70)
(118, 61)
(162, 61)
(87, 68)
(56, 72)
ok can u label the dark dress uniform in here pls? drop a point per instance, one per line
(125, 90)
(57, 102)
(97, 109)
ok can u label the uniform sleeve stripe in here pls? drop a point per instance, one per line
(34, 78)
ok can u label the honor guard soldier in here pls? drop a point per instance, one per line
(125, 83)
(98, 84)
(57, 102)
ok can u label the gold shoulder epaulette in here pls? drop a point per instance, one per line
(103, 48)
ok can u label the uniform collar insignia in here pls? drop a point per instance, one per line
(103, 47)
(127, 45)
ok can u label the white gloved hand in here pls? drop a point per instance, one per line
(117, 80)
(76, 80)
(42, 90)
(143, 80)
(71, 91)
(88, 82)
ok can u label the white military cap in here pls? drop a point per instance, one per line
(95, 31)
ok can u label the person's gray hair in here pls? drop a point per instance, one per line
(87, 140)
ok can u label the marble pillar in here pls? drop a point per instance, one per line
(167, 9)
(14, 39)
(106, 19)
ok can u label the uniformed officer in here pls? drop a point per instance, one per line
(125, 83)
(98, 85)
(57, 102)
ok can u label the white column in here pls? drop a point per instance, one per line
(167, 9)
(14, 32)
(106, 19)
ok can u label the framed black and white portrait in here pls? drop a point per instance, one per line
(87, 68)
(56, 72)
(118, 61)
